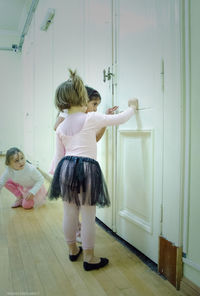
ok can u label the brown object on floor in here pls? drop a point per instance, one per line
(170, 262)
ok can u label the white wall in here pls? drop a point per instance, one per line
(11, 108)
(7, 39)
(192, 262)
(46, 58)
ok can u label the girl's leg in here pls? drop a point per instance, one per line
(16, 189)
(88, 214)
(91, 262)
(78, 233)
(70, 225)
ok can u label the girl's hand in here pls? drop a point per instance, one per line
(133, 103)
(29, 196)
(112, 110)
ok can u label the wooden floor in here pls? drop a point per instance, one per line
(34, 258)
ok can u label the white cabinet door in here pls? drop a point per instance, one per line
(140, 140)
(28, 94)
(98, 56)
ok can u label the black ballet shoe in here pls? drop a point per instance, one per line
(75, 257)
(91, 266)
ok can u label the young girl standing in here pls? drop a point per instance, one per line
(78, 177)
(94, 99)
(23, 180)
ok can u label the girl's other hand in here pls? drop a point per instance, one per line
(112, 110)
(133, 103)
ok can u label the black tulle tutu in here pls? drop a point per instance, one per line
(79, 180)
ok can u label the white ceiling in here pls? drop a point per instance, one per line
(13, 14)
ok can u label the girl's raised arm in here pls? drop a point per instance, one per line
(102, 120)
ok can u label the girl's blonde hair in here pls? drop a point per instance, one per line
(71, 93)
(10, 153)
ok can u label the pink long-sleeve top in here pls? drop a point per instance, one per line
(76, 135)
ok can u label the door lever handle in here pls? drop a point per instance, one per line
(145, 108)
(108, 76)
(138, 109)
(104, 75)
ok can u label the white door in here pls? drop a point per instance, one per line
(98, 57)
(140, 140)
(43, 102)
(131, 155)
(28, 94)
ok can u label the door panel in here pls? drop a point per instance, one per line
(137, 202)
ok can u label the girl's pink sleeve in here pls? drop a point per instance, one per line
(102, 120)
(59, 154)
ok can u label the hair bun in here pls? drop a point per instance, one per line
(72, 74)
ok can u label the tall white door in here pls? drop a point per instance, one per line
(140, 140)
(98, 57)
(28, 94)
(127, 36)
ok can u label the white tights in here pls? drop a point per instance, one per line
(70, 224)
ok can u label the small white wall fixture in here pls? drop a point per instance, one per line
(48, 19)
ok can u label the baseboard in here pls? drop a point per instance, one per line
(189, 288)
(170, 262)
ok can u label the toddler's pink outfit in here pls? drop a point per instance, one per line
(20, 191)
(23, 182)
